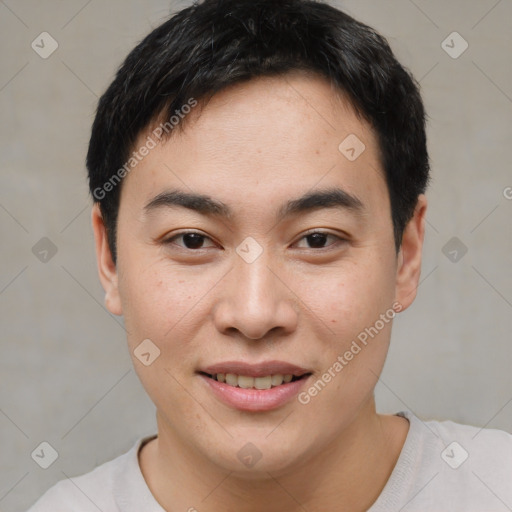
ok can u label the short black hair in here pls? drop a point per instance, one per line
(212, 44)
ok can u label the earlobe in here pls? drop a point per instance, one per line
(409, 257)
(106, 267)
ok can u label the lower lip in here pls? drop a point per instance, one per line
(255, 399)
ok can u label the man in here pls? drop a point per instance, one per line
(258, 170)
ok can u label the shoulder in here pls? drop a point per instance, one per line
(446, 465)
(480, 443)
(92, 491)
(467, 451)
(474, 465)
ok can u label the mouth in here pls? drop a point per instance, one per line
(254, 387)
(249, 382)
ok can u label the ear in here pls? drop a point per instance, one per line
(409, 256)
(106, 266)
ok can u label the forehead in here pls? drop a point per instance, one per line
(261, 141)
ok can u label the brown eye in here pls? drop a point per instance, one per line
(318, 240)
(190, 240)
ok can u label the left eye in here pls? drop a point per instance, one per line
(318, 239)
(191, 240)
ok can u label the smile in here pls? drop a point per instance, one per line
(248, 382)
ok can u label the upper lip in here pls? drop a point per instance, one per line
(261, 369)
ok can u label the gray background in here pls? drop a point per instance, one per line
(66, 376)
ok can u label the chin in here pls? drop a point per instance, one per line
(254, 457)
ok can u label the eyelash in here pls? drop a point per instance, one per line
(339, 240)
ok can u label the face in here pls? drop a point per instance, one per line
(251, 244)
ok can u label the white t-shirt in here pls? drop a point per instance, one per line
(443, 466)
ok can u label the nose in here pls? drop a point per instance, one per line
(255, 300)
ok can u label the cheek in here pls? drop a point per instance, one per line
(350, 297)
(165, 308)
(160, 302)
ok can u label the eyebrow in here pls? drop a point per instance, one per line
(206, 205)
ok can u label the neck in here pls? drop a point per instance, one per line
(347, 474)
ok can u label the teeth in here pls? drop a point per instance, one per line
(246, 382)
(277, 379)
(231, 379)
(263, 382)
